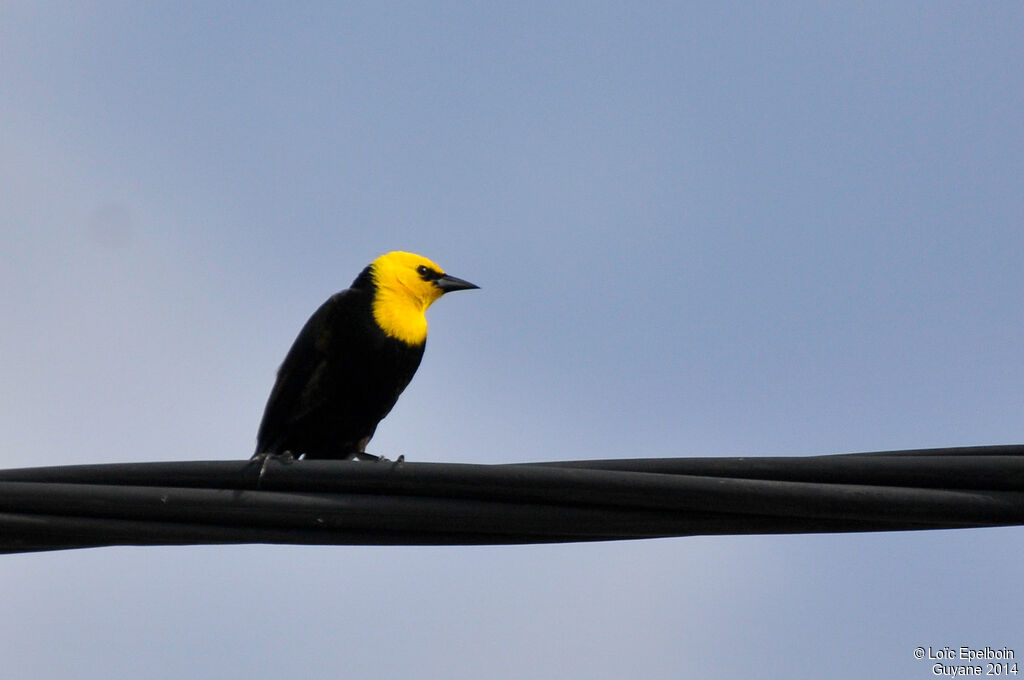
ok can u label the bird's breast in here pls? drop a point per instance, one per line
(400, 318)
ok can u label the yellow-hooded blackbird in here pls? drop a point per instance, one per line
(352, 359)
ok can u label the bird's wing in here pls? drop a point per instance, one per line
(300, 386)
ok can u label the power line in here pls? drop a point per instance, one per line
(364, 503)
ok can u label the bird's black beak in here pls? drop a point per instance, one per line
(449, 283)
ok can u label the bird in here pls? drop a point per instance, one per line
(351, 361)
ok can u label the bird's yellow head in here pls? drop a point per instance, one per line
(406, 284)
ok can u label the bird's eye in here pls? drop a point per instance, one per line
(427, 273)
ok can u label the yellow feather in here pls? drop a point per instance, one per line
(403, 296)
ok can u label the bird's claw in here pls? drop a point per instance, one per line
(363, 455)
(285, 458)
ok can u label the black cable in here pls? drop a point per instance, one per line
(342, 502)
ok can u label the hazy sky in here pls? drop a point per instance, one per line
(700, 229)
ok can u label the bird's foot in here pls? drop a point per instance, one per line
(363, 455)
(261, 459)
(394, 463)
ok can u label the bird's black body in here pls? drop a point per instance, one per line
(342, 375)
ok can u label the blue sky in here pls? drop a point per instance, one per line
(700, 229)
